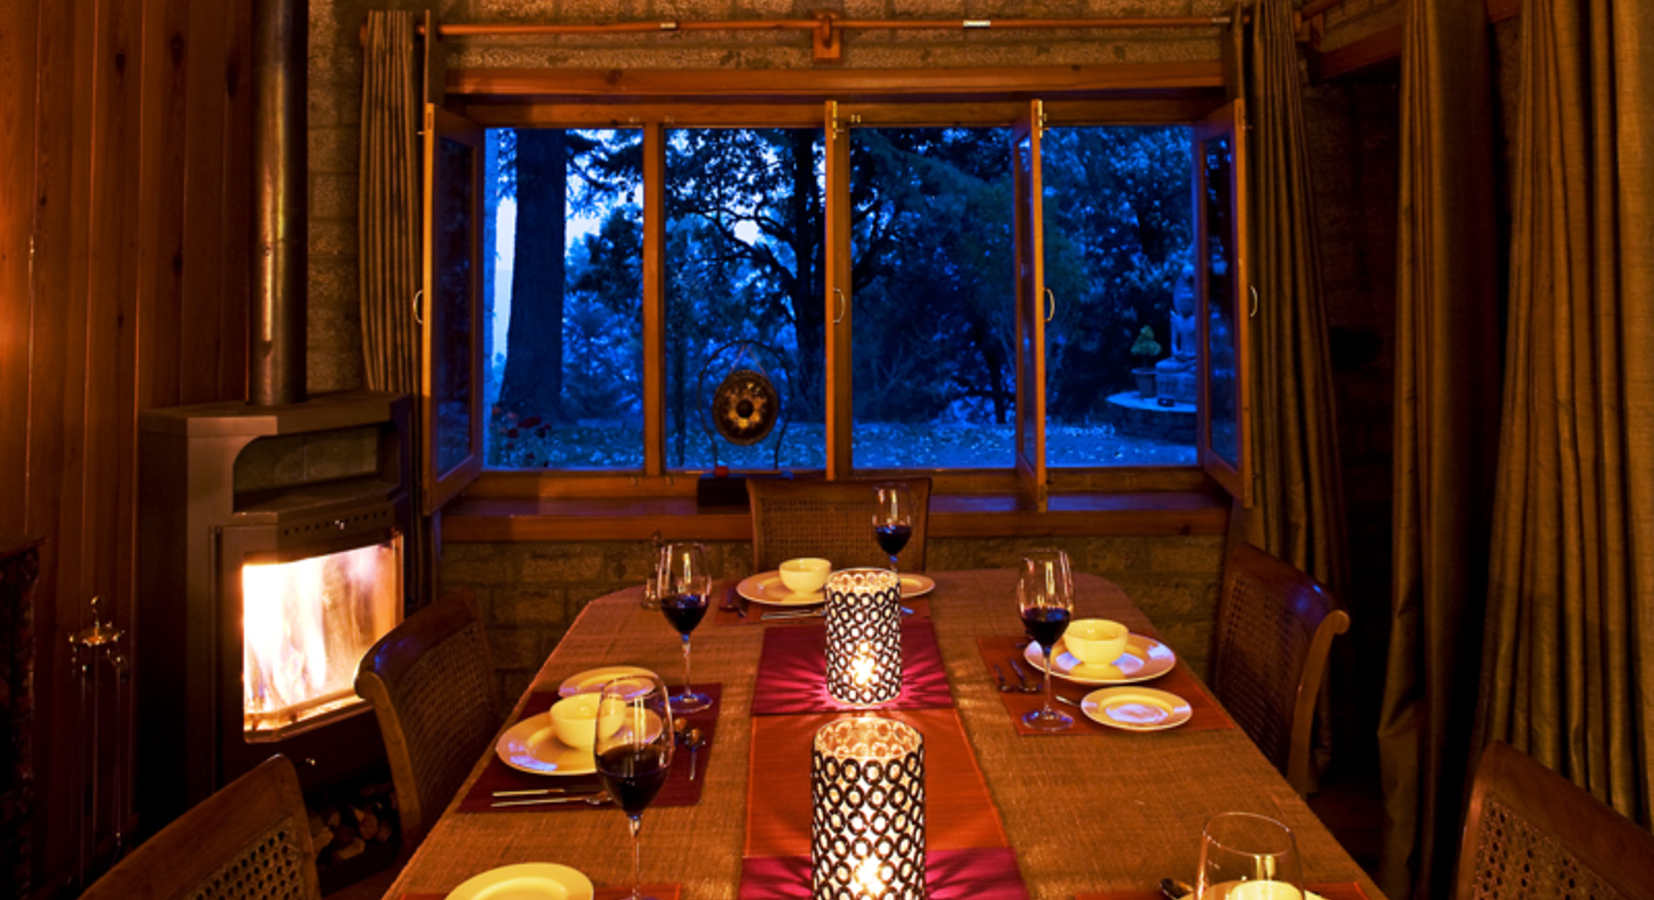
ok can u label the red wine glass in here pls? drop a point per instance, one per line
(1045, 596)
(892, 518)
(684, 590)
(634, 752)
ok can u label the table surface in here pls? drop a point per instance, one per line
(1084, 814)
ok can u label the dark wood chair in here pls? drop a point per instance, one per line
(1531, 833)
(431, 683)
(829, 519)
(250, 840)
(1275, 626)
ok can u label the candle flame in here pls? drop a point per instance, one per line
(867, 879)
(863, 666)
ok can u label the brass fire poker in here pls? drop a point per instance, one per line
(100, 641)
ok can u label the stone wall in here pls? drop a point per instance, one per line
(530, 593)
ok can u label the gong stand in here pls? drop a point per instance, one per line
(743, 409)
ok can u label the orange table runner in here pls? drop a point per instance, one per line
(1205, 712)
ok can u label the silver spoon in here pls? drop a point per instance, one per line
(1003, 686)
(1028, 687)
(694, 740)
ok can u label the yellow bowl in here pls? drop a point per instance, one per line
(1096, 641)
(574, 719)
(805, 576)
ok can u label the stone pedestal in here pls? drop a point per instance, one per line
(1180, 387)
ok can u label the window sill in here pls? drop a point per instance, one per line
(508, 520)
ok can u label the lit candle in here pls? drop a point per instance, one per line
(863, 666)
(864, 637)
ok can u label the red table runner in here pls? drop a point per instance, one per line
(678, 790)
(791, 671)
(1205, 712)
(967, 853)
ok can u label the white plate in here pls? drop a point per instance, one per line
(532, 746)
(1135, 708)
(593, 679)
(526, 881)
(766, 588)
(1145, 658)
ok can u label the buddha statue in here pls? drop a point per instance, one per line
(1175, 375)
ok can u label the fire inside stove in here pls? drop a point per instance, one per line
(305, 625)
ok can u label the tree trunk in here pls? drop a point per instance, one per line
(809, 280)
(533, 380)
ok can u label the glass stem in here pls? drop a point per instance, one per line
(1049, 712)
(636, 823)
(687, 690)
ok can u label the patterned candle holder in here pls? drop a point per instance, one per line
(867, 811)
(864, 636)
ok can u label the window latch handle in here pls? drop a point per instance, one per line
(419, 307)
(838, 310)
(1051, 305)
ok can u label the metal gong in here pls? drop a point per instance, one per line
(744, 407)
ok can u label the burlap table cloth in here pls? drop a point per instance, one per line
(1084, 816)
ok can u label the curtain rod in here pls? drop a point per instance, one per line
(824, 27)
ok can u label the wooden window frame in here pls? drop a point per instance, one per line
(655, 100)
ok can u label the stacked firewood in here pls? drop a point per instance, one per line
(344, 823)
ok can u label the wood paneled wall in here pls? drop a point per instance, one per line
(125, 131)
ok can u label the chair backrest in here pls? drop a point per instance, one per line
(829, 519)
(250, 840)
(1531, 833)
(1274, 630)
(432, 686)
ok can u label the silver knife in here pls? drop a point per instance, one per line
(592, 799)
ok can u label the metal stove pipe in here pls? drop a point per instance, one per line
(281, 222)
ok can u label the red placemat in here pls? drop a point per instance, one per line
(1206, 713)
(658, 891)
(678, 790)
(978, 874)
(1342, 890)
(793, 666)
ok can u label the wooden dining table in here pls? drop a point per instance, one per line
(1085, 813)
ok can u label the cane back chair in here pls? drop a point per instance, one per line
(250, 840)
(431, 683)
(1534, 835)
(1275, 626)
(829, 519)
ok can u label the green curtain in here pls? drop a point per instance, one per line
(1298, 510)
(1570, 634)
(1446, 439)
(388, 235)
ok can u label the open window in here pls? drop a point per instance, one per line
(449, 307)
(1222, 289)
(1031, 304)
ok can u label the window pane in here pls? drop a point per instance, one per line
(1218, 163)
(564, 308)
(933, 337)
(1118, 236)
(451, 359)
(744, 280)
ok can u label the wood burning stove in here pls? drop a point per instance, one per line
(270, 558)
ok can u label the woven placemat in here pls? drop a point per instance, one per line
(657, 891)
(1343, 890)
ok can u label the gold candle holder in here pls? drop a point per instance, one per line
(867, 811)
(864, 636)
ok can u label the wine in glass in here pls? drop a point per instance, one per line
(1248, 857)
(1045, 596)
(634, 752)
(892, 518)
(684, 589)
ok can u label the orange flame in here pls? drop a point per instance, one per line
(305, 625)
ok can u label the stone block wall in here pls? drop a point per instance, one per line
(530, 593)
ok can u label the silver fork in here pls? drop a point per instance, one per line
(1028, 687)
